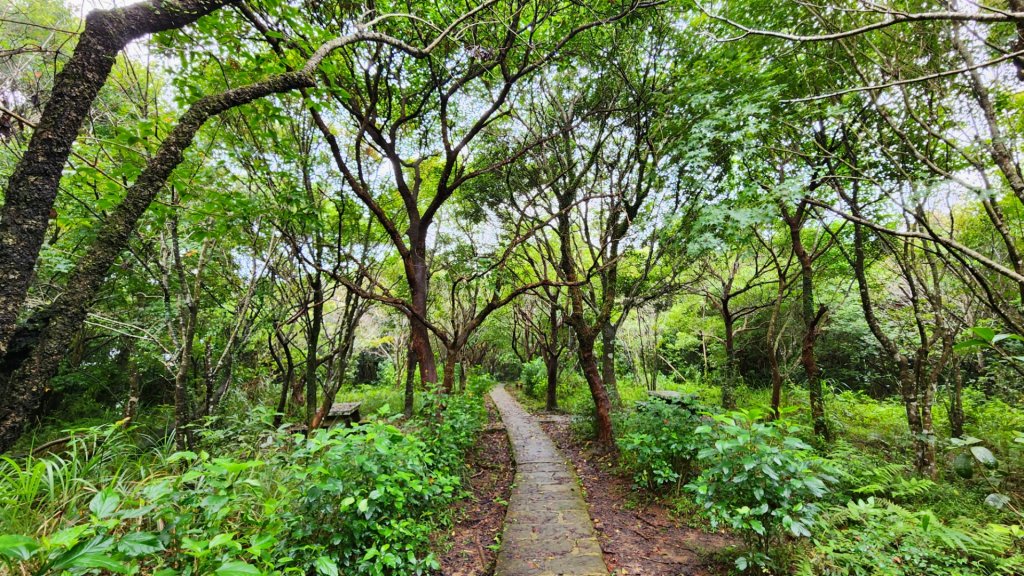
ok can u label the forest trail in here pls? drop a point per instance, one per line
(547, 530)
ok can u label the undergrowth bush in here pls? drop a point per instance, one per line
(533, 377)
(659, 444)
(480, 383)
(760, 479)
(360, 500)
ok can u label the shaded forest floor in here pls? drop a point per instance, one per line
(469, 548)
(638, 536)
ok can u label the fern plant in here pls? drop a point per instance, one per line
(876, 537)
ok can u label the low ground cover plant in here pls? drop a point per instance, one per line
(359, 500)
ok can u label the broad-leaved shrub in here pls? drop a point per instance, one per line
(760, 479)
(533, 376)
(659, 443)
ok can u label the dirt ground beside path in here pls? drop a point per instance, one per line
(479, 518)
(642, 540)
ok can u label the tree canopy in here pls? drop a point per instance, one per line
(214, 206)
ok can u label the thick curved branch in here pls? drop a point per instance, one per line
(32, 188)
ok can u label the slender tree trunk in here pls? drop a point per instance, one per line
(810, 365)
(773, 349)
(182, 398)
(776, 402)
(189, 306)
(923, 457)
(551, 364)
(551, 353)
(602, 403)
(731, 364)
(451, 360)
(410, 382)
(313, 345)
(286, 372)
(609, 338)
(956, 407)
(131, 407)
(419, 335)
(811, 320)
(126, 363)
(926, 462)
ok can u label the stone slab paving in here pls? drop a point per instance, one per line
(548, 531)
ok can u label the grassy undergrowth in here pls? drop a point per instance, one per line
(246, 500)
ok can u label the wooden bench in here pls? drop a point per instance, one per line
(669, 396)
(343, 413)
(688, 402)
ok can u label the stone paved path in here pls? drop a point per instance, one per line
(547, 531)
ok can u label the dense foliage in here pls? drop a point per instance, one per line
(805, 217)
(359, 500)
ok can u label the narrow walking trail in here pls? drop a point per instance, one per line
(548, 530)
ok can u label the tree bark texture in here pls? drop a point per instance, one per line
(32, 187)
(811, 319)
(69, 310)
(609, 338)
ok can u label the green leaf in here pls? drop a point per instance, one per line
(104, 503)
(963, 465)
(969, 345)
(139, 543)
(237, 568)
(985, 333)
(67, 537)
(326, 566)
(964, 441)
(183, 455)
(17, 547)
(997, 501)
(221, 539)
(985, 456)
(90, 554)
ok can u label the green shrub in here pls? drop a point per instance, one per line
(533, 376)
(760, 479)
(360, 500)
(658, 444)
(387, 374)
(458, 426)
(366, 496)
(479, 384)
